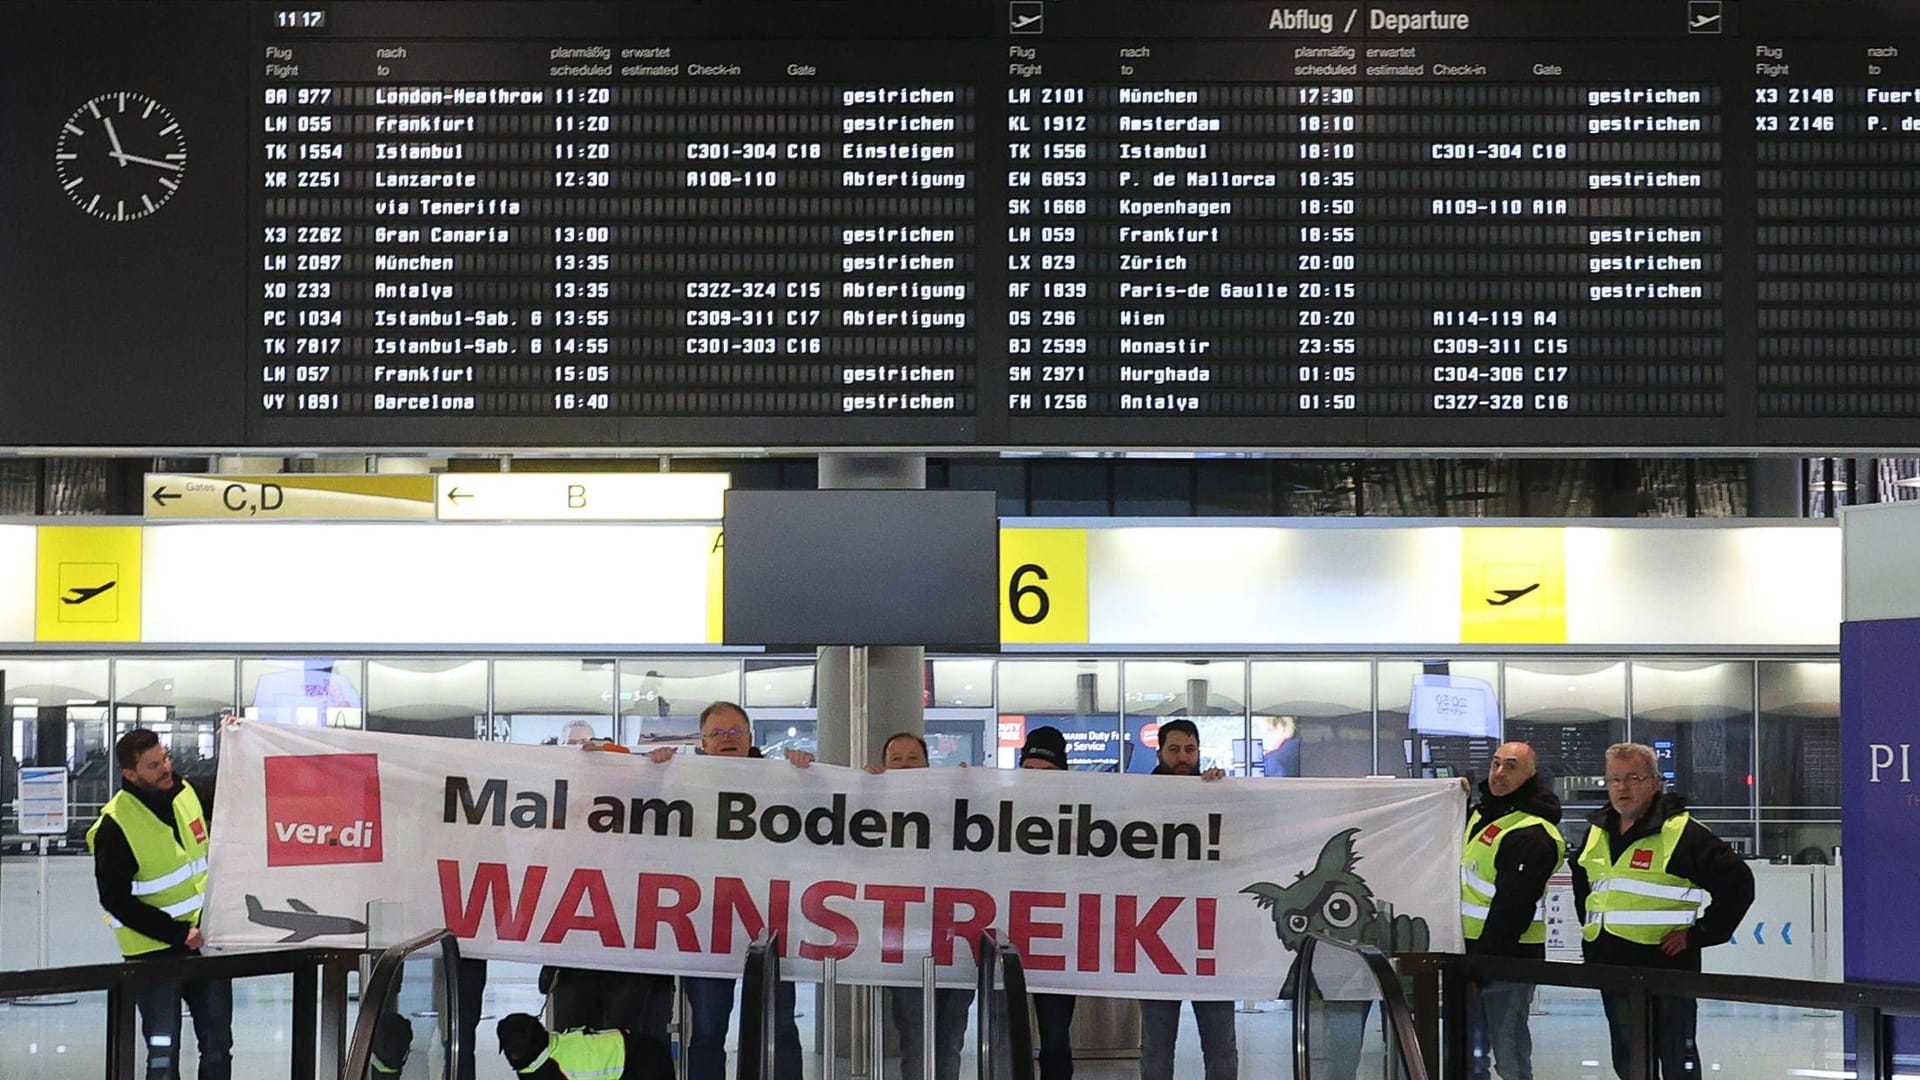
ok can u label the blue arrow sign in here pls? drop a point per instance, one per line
(1785, 932)
(1757, 929)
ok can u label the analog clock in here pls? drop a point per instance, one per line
(121, 156)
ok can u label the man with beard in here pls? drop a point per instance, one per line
(149, 851)
(1160, 1020)
(1513, 846)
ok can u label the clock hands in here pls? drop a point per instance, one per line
(113, 137)
(120, 155)
(137, 160)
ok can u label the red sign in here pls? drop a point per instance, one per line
(1487, 836)
(323, 808)
(1643, 859)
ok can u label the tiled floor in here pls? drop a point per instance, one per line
(66, 1042)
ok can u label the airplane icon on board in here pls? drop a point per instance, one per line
(81, 596)
(1508, 596)
(302, 921)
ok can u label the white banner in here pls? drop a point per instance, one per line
(1110, 885)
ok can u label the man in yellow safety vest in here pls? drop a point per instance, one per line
(1513, 846)
(1653, 887)
(150, 868)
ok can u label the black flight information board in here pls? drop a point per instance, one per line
(1018, 224)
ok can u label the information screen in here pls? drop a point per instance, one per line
(1335, 227)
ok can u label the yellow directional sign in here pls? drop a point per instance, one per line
(534, 496)
(87, 584)
(295, 496)
(1513, 586)
(1043, 586)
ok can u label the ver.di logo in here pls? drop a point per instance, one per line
(323, 809)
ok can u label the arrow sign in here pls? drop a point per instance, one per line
(1757, 928)
(161, 496)
(1786, 936)
(454, 495)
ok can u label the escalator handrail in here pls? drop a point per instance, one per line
(1398, 1015)
(378, 991)
(759, 984)
(1002, 957)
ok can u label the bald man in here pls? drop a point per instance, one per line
(1513, 846)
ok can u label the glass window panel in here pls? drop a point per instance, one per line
(309, 690)
(1799, 841)
(1569, 712)
(661, 697)
(181, 700)
(553, 701)
(1799, 733)
(960, 684)
(1080, 697)
(1400, 752)
(428, 697)
(776, 731)
(56, 714)
(1698, 717)
(1312, 718)
(1085, 686)
(785, 683)
(1209, 692)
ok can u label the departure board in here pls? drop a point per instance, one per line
(1508, 225)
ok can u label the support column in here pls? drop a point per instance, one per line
(896, 681)
(1773, 488)
(895, 701)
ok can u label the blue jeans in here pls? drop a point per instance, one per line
(949, 1030)
(1160, 1029)
(712, 1003)
(211, 1002)
(1497, 1034)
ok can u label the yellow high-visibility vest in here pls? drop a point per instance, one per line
(584, 1055)
(1477, 872)
(170, 871)
(1633, 897)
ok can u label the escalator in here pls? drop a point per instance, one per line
(383, 1037)
(1351, 1019)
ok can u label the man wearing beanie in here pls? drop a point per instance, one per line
(1047, 749)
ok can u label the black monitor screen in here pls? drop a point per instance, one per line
(810, 568)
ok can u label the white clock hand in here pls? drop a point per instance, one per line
(124, 158)
(117, 154)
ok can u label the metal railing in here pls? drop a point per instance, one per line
(311, 1025)
(1000, 968)
(759, 985)
(382, 986)
(1403, 1045)
(1440, 983)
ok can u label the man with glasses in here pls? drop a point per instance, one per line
(1653, 887)
(725, 731)
(1513, 846)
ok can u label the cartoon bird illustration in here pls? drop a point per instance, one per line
(1335, 901)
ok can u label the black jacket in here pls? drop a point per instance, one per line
(1526, 859)
(1700, 857)
(114, 867)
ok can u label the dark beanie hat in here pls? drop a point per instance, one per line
(1047, 744)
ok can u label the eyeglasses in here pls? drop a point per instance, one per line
(723, 733)
(1630, 778)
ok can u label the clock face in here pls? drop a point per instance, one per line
(121, 156)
